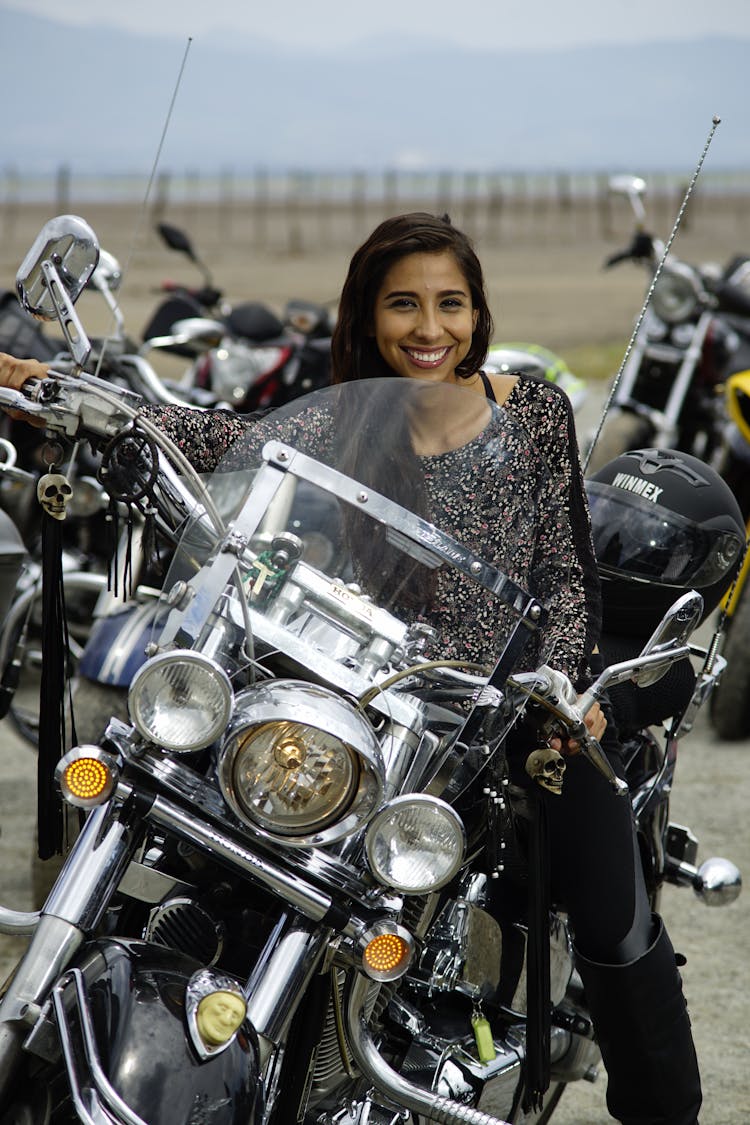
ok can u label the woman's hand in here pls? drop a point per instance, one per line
(596, 724)
(14, 373)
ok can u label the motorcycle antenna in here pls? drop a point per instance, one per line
(716, 121)
(149, 186)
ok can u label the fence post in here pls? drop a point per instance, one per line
(359, 211)
(390, 193)
(161, 197)
(261, 209)
(12, 200)
(295, 242)
(226, 204)
(62, 189)
(494, 209)
(444, 194)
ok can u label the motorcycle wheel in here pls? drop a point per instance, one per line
(730, 701)
(621, 431)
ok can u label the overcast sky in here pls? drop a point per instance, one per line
(478, 23)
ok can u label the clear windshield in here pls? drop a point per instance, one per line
(367, 526)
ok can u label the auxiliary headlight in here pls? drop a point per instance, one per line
(180, 700)
(300, 764)
(415, 844)
(675, 295)
(86, 776)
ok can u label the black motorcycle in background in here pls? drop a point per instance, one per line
(242, 353)
(694, 333)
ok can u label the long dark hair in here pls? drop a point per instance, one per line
(354, 352)
(375, 447)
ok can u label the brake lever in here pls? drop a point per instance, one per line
(556, 693)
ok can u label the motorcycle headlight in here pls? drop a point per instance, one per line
(675, 295)
(300, 765)
(415, 844)
(180, 700)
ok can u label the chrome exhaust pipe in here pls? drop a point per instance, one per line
(393, 1085)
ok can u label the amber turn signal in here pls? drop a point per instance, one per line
(388, 950)
(86, 776)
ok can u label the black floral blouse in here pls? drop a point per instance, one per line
(518, 502)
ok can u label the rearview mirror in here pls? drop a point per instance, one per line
(108, 274)
(55, 272)
(633, 187)
(70, 246)
(672, 632)
(176, 239)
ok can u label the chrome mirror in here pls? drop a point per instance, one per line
(55, 272)
(666, 645)
(633, 187)
(627, 185)
(107, 274)
(672, 632)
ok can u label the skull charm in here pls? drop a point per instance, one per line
(547, 767)
(54, 492)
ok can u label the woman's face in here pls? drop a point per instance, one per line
(423, 318)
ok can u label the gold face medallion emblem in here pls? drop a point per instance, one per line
(216, 1009)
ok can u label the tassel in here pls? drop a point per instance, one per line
(150, 543)
(113, 525)
(538, 1014)
(52, 690)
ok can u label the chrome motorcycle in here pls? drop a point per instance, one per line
(694, 333)
(277, 908)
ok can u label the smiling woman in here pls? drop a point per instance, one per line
(416, 287)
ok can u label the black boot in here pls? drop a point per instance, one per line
(643, 1030)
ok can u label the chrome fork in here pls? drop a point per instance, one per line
(74, 907)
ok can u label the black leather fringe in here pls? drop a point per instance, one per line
(52, 690)
(538, 1013)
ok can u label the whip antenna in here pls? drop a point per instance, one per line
(668, 246)
(151, 178)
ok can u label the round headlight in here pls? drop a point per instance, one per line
(675, 295)
(415, 844)
(180, 700)
(300, 764)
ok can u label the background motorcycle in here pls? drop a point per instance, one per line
(210, 895)
(730, 702)
(94, 519)
(695, 332)
(244, 353)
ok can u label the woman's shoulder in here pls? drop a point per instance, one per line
(533, 397)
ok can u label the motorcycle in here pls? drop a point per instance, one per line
(694, 333)
(730, 702)
(244, 353)
(276, 909)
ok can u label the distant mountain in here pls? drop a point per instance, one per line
(98, 100)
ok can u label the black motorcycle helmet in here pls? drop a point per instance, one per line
(663, 522)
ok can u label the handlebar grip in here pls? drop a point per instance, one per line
(591, 749)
